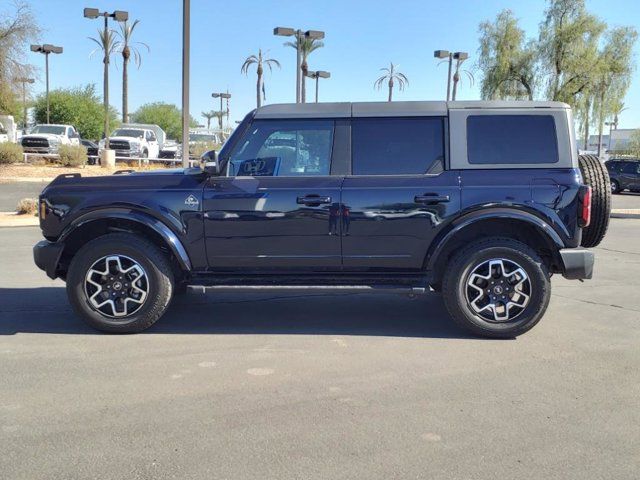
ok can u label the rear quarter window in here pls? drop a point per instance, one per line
(511, 139)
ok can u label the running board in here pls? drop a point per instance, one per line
(387, 289)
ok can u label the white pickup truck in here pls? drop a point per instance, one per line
(47, 138)
(8, 131)
(136, 141)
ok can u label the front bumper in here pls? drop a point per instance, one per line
(43, 150)
(46, 255)
(578, 263)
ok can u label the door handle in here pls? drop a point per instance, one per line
(313, 200)
(431, 198)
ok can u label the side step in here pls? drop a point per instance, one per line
(386, 289)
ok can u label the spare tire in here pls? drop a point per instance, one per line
(596, 176)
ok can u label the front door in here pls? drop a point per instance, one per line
(278, 207)
(398, 195)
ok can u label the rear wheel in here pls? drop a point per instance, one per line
(497, 288)
(596, 176)
(120, 283)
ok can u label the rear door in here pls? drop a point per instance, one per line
(398, 194)
(278, 207)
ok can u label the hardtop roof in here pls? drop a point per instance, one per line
(389, 109)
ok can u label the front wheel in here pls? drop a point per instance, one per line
(120, 283)
(497, 288)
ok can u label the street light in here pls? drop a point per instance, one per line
(119, 16)
(315, 76)
(300, 35)
(222, 96)
(46, 49)
(24, 82)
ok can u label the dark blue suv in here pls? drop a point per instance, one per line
(624, 174)
(481, 201)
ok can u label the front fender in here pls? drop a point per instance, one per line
(471, 218)
(156, 225)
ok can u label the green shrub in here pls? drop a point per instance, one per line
(198, 149)
(72, 155)
(10, 153)
(27, 206)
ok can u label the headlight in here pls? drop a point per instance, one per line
(101, 143)
(54, 141)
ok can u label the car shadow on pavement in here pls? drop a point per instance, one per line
(46, 310)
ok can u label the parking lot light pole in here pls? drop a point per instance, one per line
(119, 16)
(24, 82)
(317, 75)
(222, 96)
(46, 49)
(459, 57)
(299, 36)
(442, 54)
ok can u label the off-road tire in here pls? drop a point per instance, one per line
(146, 254)
(459, 268)
(595, 175)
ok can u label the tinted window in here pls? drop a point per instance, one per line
(511, 139)
(629, 167)
(284, 148)
(396, 146)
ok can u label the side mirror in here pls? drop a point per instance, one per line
(209, 163)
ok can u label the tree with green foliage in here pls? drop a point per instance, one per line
(128, 49)
(259, 62)
(166, 115)
(18, 28)
(634, 144)
(507, 61)
(79, 106)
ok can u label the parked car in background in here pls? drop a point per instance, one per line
(624, 174)
(92, 151)
(200, 141)
(168, 150)
(8, 130)
(136, 141)
(47, 138)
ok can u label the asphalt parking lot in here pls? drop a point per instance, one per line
(352, 386)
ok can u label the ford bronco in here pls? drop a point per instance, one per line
(480, 201)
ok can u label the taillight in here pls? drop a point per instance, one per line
(584, 195)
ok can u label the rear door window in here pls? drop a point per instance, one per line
(397, 146)
(511, 139)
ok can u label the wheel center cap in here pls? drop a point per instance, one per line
(498, 290)
(117, 285)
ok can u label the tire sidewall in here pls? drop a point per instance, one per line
(540, 292)
(156, 295)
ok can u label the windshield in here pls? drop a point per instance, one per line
(202, 137)
(53, 129)
(128, 132)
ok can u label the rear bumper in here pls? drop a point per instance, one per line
(578, 263)
(46, 255)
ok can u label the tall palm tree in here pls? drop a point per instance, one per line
(107, 44)
(259, 62)
(456, 77)
(209, 115)
(127, 48)
(307, 46)
(391, 75)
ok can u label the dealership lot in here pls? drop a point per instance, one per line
(321, 386)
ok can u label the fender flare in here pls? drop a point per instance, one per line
(168, 235)
(491, 214)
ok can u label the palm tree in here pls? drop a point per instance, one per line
(307, 46)
(259, 62)
(391, 75)
(107, 44)
(456, 77)
(209, 115)
(126, 49)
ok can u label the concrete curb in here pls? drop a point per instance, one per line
(625, 213)
(12, 219)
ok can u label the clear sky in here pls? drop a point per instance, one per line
(361, 37)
